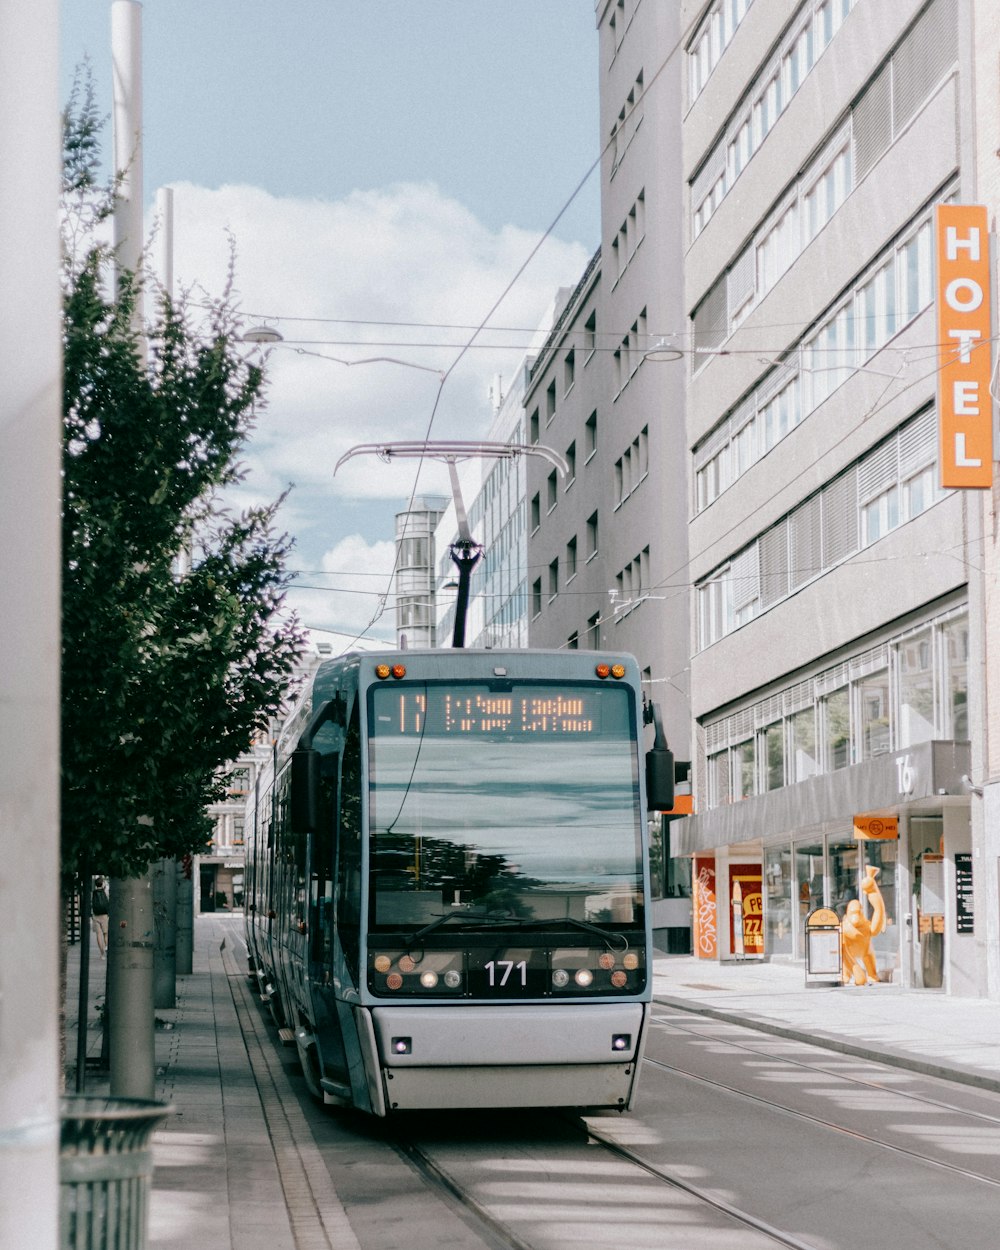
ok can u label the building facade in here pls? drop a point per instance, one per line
(837, 636)
(607, 547)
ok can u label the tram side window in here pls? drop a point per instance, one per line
(349, 846)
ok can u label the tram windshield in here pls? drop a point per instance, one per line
(522, 803)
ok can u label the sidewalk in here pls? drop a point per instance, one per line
(216, 1182)
(236, 1171)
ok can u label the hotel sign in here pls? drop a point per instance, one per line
(965, 407)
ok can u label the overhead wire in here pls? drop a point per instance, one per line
(533, 252)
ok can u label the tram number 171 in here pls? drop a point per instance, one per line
(499, 970)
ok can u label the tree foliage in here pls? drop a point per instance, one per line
(176, 646)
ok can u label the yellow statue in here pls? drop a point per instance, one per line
(857, 931)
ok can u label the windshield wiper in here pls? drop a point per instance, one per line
(463, 917)
(555, 922)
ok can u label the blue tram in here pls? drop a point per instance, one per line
(447, 879)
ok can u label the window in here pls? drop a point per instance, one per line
(711, 40)
(774, 754)
(552, 490)
(719, 780)
(553, 579)
(573, 641)
(873, 698)
(836, 719)
(594, 632)
(590, 336)
(590, 435)
(570, 464)
(571, 558)
(916, 689)
(804, 760)
(569, 371)
(956, 678)
(536, 597)
(778, 79)
(533, 427)
(592, 535)
(887, 487)
(627, 123)
(550, 403)
(536, 512)
(743, 770)
(906, 690)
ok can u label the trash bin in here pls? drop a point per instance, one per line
(824, 962)
(105, 1171)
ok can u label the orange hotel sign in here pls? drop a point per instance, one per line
(965, 407)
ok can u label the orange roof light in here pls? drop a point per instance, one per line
(399, 670)
(617, 671)
(603, 670)
(382, 671)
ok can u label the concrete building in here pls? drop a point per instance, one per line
(607, 547)
(838, 633)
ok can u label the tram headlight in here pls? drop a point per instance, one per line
(453, 979)
(584, 977)
(428, 979)
(560, 978)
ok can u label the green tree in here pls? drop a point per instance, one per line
(166, 675)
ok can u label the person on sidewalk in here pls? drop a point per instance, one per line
(99, 915)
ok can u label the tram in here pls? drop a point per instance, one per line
(448, 875)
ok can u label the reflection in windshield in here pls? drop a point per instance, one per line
(492, 815)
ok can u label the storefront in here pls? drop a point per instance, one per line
(760, 867)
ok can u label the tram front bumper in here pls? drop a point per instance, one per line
(509, 1056)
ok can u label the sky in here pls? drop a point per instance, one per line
(386, 171)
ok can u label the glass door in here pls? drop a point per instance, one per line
(808, 857)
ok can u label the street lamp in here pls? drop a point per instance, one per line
(465, 551)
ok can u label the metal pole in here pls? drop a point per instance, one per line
(185, 916)
(130, 988)
(30, 454)
(84, 988)
(165, 927)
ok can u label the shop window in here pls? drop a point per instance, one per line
(808, 878)
(778, 918)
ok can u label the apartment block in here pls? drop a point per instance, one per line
(837, 635)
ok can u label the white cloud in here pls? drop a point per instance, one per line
(408, 255)
(348, 590)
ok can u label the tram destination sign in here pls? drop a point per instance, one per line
(530, 712)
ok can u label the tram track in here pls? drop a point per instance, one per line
(827, 1124)
(463, 1180)
(881, 1086)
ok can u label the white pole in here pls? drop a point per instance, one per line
(126, 69)
(165, 223)
(130, 942)
(30, 453)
